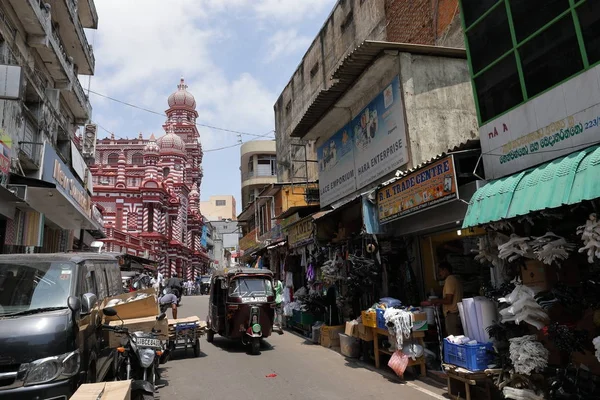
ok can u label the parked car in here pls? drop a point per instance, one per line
(51, 337)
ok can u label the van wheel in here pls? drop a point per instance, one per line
(210, 336)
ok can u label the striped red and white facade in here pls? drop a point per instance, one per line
(149, 190)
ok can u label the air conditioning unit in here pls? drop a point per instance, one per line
(18, 190)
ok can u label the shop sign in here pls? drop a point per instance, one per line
(248, 241)
(371, 146)
(422, 189)
(78, 163)
(559, 122)
(55, 171)
(292, 219)
(204, 237)
(5, 157)
(275, 234)
(301, 232)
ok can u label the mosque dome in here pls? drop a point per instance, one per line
(181, 97)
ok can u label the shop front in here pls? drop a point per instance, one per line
(57, 211)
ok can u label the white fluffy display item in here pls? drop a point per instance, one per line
(596, 343)
(523, 308)
(520, 394)
(528, 355)
(590, 235)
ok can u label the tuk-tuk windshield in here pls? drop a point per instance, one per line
(36, 285)
(247, 287)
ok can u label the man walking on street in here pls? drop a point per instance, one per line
(278, 325)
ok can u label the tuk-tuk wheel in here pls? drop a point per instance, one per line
(210, 335)
(255, 350)
(197, 348)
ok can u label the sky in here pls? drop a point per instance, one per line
(236, 57)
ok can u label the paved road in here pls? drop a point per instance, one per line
(226, 371)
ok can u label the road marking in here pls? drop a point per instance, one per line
(428, 392)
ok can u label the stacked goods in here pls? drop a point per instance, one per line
(200, 325)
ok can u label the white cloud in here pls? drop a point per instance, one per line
(289, 10)
(286, 42)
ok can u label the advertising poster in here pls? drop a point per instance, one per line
(5, 155)
(204, 236)
(336, 167)
(380, 136)
(425, 188)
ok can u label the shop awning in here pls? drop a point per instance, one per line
(566, 180)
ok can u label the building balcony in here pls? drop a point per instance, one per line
(34, 17)
(72, 35)
(87, 13)
(256, 179)
(78, 101)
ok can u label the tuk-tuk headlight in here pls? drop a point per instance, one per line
(256, 328)
(146, 357)
(53, 368)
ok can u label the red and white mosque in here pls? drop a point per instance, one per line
(148, 191)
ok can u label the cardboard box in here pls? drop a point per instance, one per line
(118, 390)
(420, 322)
(365, 333)
(146, 307)
(138, 324)
(330, 335)
(351, 328)
(537, 275)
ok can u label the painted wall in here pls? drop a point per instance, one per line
(214, 213)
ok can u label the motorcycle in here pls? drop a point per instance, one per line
(138, 358)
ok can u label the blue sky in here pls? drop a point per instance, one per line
(236, 57)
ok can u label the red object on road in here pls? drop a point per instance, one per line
(271, 376)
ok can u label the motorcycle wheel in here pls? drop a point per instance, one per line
(255, 349)
(210, 335)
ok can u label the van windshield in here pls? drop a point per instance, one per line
(247, 287)
(37, 285)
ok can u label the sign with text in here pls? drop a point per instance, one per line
(248, 241)
(371, 146)
(57, 172)
(422, 189)
(336, 167)
(563, 120)
(300, 233)
(380, 136)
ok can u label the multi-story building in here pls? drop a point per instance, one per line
(317, 84)
(533, 107)
(43, 49)
(219, 207)
(258, 167)
(226, 234)
(149, 189)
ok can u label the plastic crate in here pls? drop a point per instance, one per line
(474, 357)
(380, 320)
(369, 319)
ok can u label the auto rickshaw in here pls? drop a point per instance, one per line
(241, 305)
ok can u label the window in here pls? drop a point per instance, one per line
(589, 19)
(137, 159)
(220, 203)
(519, 49)
(113, 159)
(266, 165)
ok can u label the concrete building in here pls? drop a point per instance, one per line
(226, 235)
(314, 87)
(149, 189)
(43, 49)
(258, 167)
(219, 207)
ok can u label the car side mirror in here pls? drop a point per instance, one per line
(88, 302)
(109, 311)
(74, 303)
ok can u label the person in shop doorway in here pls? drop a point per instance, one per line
(278, 325)
(452, 295)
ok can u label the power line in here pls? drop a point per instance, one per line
(204, 151)
(164, 115)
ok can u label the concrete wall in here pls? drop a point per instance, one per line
(439, 105)
(212, 212)
(255, 183)
(349, 24)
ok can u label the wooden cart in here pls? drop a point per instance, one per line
(185, 333)
(418, 336)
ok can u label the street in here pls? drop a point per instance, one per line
(303, 370)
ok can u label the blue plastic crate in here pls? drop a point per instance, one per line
(474, 357)
(380, 319)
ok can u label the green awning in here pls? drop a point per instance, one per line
(566, 180)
